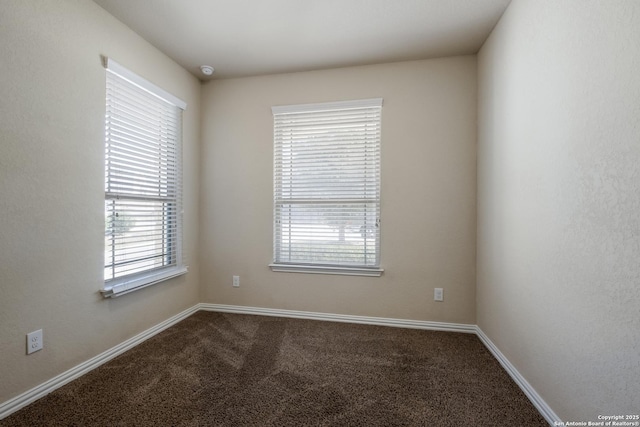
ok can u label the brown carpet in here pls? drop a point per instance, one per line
(215, 369)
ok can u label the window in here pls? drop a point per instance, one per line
(143, 185)
(327, 188)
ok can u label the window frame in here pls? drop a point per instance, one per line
(278, 265)
(171, 234)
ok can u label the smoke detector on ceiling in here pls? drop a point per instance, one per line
(207, 70)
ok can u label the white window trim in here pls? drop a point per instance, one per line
(143, 83)
(319, 268)
(134, 283)
(326, 269)
(125, 285)
(325, 106)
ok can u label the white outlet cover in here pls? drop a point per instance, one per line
(438, 294)
(34, 341)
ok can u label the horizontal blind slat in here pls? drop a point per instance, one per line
(143, 181)
(326, 185)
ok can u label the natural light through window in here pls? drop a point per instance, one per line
(327, 187)
(143, 168)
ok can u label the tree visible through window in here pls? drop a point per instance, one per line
(143, 170)
(327, 184)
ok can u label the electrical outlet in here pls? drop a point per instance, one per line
(438, 294)
(236, 281)
(34, 341)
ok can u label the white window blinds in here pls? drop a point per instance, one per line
(327, 186)
(143, 183)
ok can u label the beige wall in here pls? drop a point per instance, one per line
(428, 191)
(52, 89)
(559, 200)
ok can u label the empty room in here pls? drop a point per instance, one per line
(332, 213)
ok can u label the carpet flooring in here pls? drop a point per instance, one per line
(215, 369)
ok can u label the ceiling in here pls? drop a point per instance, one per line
(251, 37)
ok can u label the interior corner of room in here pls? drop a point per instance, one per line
(509, 187)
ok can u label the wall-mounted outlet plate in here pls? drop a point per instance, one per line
(438, 294)
(236, 281)
(34, 341)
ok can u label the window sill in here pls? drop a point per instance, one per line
(324, 269)
(113, 290)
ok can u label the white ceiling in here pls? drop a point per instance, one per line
(250, 37)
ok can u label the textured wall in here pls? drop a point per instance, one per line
(559, 200)
(428, 191)
(52, 89)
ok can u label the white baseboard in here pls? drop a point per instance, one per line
(10, 406)
(24, 399)
(524, 385)
(366, 320)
